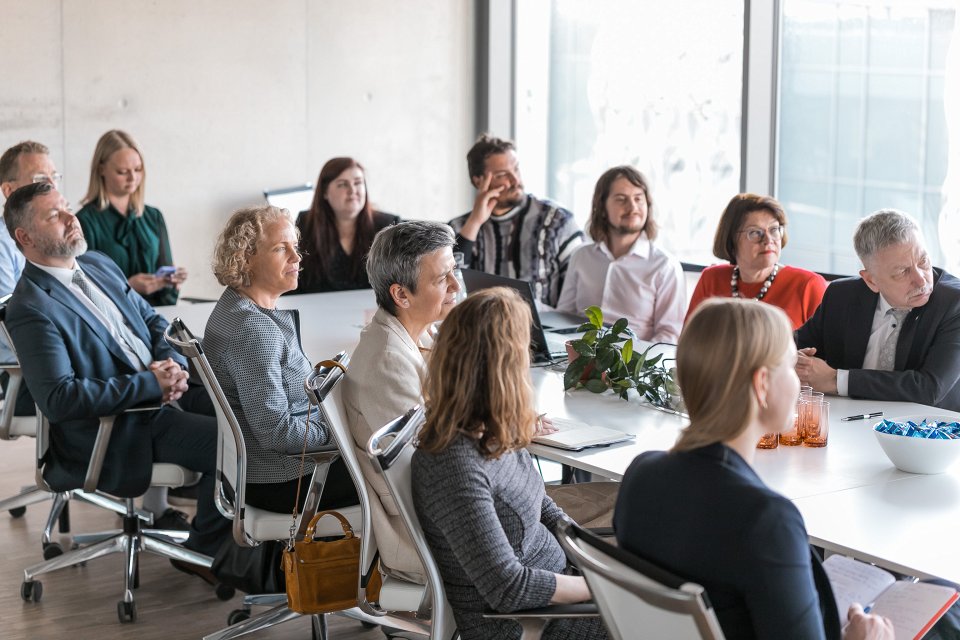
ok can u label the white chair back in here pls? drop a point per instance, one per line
(391, 450)
(324, 389)
(11, 426)
(633, 594)
(231, 476)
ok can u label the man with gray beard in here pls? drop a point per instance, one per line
(894, 332)
(90, 346)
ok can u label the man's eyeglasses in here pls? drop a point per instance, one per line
(53, 178)
(756, 234)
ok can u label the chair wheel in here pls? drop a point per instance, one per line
(18, 512)
(31, 590)
(52, 550)
(237, 615)
(224, 592)
(127, 611)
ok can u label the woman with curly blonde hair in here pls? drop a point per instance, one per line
(481, 502)
(254, 349)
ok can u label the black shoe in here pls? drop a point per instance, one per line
(172, 519)
(183, 496)
(204, 573)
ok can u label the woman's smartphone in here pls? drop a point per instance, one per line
(165, 272)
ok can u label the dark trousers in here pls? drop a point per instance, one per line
(338, 492)
(189, 438)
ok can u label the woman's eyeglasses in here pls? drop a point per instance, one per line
(756, 234)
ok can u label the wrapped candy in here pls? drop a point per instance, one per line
(931, 429)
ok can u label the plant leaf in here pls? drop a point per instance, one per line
(596, 386)
(627, 351)
(619, 325)
(585, 350)
(586, 326)
(573, 373)
(590, 337)
(606, 359)
(595, 316)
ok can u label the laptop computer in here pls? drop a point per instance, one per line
(545, 347)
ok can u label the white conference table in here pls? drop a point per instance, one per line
(852, 498)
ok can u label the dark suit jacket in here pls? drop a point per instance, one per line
(76, 372)
(927, 364)
(706, 516)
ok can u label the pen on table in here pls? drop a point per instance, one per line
(862, 416)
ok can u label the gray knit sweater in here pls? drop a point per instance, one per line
(489, 524)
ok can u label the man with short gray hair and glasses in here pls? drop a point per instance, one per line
(20, 165)
(893, 333)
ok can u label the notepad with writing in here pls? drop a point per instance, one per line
(912, 607)
(576, 436)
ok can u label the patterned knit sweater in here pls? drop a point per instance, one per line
(489, 524)
(532, 242)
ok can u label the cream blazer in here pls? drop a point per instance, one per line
(383, 381)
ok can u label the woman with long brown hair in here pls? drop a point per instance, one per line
(481, 502)
(338, 229)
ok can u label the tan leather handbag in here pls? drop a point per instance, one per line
(322, 575)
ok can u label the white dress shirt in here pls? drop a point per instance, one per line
(645, 286)
(881, 328)
(65, 277)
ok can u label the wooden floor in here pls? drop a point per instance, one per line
(80, 603)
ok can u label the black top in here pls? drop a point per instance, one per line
(705, 515)
(339, 278)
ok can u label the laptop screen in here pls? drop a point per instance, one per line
(477, 280)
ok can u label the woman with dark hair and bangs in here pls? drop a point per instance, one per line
(338, 229)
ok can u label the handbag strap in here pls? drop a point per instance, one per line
(344, 523)
(303, 461)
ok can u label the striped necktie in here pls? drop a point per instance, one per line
(116, 321)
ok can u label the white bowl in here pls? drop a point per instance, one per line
(919, 455)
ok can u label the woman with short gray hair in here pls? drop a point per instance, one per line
(411, 269)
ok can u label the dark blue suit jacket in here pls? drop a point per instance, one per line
(706, 516)
(927, 363)
(76, 372)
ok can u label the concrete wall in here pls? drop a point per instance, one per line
(228, 97)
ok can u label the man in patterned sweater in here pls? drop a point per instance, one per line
(510, 232)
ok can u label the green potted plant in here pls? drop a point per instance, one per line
(604, 358)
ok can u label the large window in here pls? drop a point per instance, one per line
(865, 96)
(653, 84)
(863, 123)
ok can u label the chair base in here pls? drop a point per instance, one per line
(130, 541)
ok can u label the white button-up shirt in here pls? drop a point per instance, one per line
(645, 286)
(880, 330)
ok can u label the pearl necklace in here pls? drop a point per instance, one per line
(735, 288)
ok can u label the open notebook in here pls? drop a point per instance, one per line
(913, 607)
(576, 436)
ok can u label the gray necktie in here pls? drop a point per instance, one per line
(110, 312)
(888, 350)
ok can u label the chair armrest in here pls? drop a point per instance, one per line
(533, 621)
(323, 457)
(92, 479)
(551, 612)
(10, 398)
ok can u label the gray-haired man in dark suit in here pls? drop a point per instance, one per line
(894, 332)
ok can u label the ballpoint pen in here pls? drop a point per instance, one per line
(862, 416)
